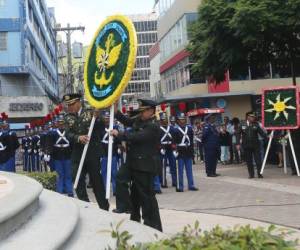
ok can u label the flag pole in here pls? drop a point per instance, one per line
(86, 146)
(110, 151)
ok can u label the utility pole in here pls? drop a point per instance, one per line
(69, 30)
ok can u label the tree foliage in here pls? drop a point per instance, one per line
(235, 34)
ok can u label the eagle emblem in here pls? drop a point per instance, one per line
(106, 58)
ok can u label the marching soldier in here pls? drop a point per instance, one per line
(211, 143)
(114, 165)
(184, 138)
(142, 162)
(24, 150)
(30, 167)
(36, 143)
(250, 142)
(59, 149)
(78, 121)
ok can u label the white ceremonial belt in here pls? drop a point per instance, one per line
(61, 145)
(166, 143)
(2, 149)
(183, 145)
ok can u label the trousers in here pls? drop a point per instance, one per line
(186, 163)
(64, 179)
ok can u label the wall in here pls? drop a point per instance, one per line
(10, 9)
(11, 56)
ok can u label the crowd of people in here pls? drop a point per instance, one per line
(145, 151)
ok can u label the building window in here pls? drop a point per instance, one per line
(3, 40)
(2, 3)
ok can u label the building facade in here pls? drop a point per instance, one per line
(28, 59)
(146, 28)
(241, 92)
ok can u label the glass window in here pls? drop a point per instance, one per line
(3, 41)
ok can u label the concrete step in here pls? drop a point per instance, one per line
(18, 204)
(94, 229)
(50, 228)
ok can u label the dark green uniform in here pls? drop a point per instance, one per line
(142, 164)
(250, 143)
(77, 125)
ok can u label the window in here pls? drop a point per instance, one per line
(3, 40)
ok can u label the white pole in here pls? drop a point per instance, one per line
(110, 151)
(293, 152)
(284, 156)
(86, 146)
(267, 152)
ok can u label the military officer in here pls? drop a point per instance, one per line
(59, 149)
(184, 139)
(142, 161)
(78, 121)
(114, 165)
(250, 142)
(211, 144)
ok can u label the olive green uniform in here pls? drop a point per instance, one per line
(142, 164)
(77, 125)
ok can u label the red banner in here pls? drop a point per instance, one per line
(196, 112)
(220, 87)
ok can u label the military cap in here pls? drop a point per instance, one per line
(60, 118)
(173, 118)
(71, 98)
(163, 116)
(252, 114)
(106, 114)
(146, 104)
(181, 116)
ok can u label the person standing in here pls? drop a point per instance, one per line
(225, 143)
(78, 121)
(211, 143)
(59, 149)
(184, 139)
(142, 162)
(24, 150)
(4, 148)
(198, 139)
(250, 142)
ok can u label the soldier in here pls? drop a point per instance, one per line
(59, 149)
(30, 150)
(114, 165)
(36, 144)
(24, 150)
(4, 148)
(184, 139)
(78, 121)
(250, 142)
(142, 161)
(211, 143)
(166, 149)
(173, 121)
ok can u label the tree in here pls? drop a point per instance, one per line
(235, 34)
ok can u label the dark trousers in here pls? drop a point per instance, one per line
(211, 159)
(90, 166)
(251, 153)
(143, 197)
(123, 180)
(200, 150)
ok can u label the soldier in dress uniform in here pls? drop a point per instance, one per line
(59, 149)
(114, 164)
(173, 121)
(211, 144)
(250, 142)
(78, 121)
(24, 150)
(166, 149)
(184, 139)
(30, 167)
(4, 148)
(142, 162)
(36, 143)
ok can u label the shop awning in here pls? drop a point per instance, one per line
(196, 112)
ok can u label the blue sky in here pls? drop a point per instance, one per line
(90, 13)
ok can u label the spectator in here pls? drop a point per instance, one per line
(225, 144)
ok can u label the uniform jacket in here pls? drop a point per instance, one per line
(13, 143)
(142, 143)
(250, 132)
(210, 136)
(184, 144)
(167, 137)
(104, 142)
(77, 125)
(4, 147)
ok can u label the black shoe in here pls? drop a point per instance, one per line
(158, 191)
(174, 185)
(260, 176)
(211, 175)
(250, 177)
(121, 211)
(193, 189)
(165, 186)
(217, 175)
(179, 190)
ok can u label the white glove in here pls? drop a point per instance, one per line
(29, 151)
(163, 151)
(119, 151)
(47, 158)
(175, 153)
(34, 151)
(40, 153)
